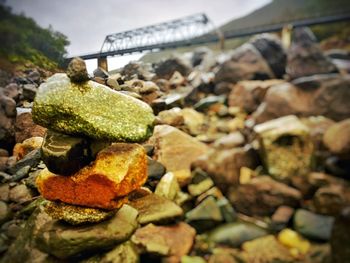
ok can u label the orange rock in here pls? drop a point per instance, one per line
(117, 170)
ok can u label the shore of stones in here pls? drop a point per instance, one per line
(237, 157)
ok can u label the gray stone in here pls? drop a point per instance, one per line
(305, 57)
(155, 169)
(153, 209)
(32, 159)
(64, 241)
(205, 215)
(235, 234)
(82, 110)
(312, 225)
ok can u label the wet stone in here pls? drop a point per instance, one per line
(64, 154)
(153, 209)
(76, 215)
(341, 237)
(32, 159)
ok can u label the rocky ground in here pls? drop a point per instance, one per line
(241, 157)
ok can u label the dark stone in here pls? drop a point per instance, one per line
(64, 154)
(77, 71)
(340, 238)
(273, 52)
(166, 68)
(29, 91)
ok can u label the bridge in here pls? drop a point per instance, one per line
(191, 30)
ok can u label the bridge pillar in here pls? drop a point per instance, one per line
(287, 32)
(102, 63)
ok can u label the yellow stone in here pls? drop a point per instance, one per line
(295, 242)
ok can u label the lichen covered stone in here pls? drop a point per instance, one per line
(91, 109)
(105, 183)
(76, 215)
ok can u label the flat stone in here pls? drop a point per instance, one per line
(235, 234)
(153, 209)
(285, 146)
(76, 215)
(312, 225)
(81, 109)
(176, 150)
(64, 241)
(32, 159)
(117, 170)
(262, 196)
(173, 240)
(64, 154)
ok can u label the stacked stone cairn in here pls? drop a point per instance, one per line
(90, 148)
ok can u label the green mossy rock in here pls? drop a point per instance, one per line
(91, 109)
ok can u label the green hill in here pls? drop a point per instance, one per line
(25, 42)
(279, 11)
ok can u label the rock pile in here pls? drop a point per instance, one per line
(248, 160)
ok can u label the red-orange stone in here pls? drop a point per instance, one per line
(117, 170)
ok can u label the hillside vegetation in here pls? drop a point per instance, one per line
(23, 42)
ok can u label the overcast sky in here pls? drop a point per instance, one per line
(87, 22)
